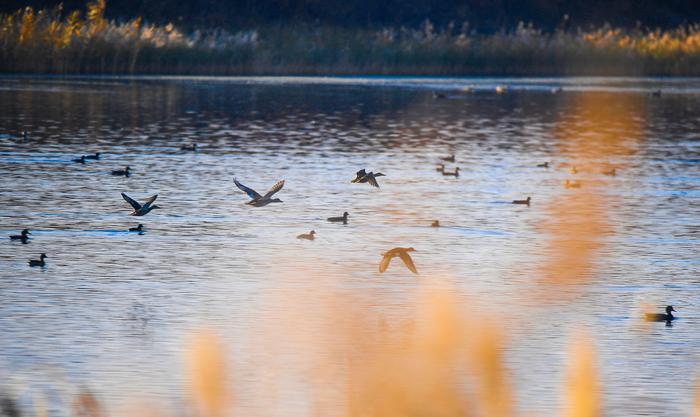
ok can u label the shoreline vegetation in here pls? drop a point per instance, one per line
(58, 42)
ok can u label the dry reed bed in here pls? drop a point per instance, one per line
(54, 41)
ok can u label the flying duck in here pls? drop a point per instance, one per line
(660, 316)
(23, 236)
(369, 177)
(526, 201)
(307, 236)
(141, 210)
(258, 200)
(343, 219)
(122, 172)
(400, 252)
(40, 262)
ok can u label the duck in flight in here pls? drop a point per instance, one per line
(122, 172)
(369, 177)
(343, 219)
(40, 262)
(403, 254)
(526, 201)
(96, 156)
(141, 210)
(23, 236)
(660, 316)
(257, 200)
(307, 236)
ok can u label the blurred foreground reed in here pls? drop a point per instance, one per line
(59, 42)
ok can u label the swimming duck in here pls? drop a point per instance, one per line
(545, 165)
(40, 262)
(80, 160)
(191, 148)
(141, 210)
(23, 236)
(557, 90)
(96, 156)
(438, 95)
(400, 252)
(369, 177)
(450, 158)
(258, 200)
(440, 168)
(122, 172)
(139, 228)
(526, 201)
(307, 236)
(435, 223)
(452, 174)
(611, 173)
(573, 170)
(656, 93)
(659, 316)
(501, 89)
(572, 184)
(343, 219)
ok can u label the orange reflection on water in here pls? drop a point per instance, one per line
(598, 132)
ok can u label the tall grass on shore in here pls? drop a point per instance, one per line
(60, 42)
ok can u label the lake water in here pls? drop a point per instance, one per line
(114, 311)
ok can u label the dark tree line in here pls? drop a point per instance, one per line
(483, 15)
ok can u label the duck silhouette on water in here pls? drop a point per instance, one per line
(435, 223)
(401, 253)
(141, 210)
(572, 184)
(367, 177)
(23, 236)
(122, 172)
(668, 317)
(191, 148)
(95, 157)
(454, 173)
(525, 202)
(258, 200)
(610, 173)
(80, 160)
(307, 236)
(440, 168)
(139, 228)
(40, 262)
(450, 158)
(545, 165)
(343, 219)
